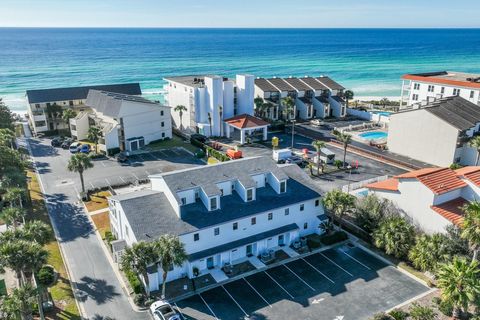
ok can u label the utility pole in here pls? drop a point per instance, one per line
(293, 131)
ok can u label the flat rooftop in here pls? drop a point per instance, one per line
(447, 77)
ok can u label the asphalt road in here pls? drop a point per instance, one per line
(97, 289)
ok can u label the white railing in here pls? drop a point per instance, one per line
(360, 184)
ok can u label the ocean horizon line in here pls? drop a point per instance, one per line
(238, 28)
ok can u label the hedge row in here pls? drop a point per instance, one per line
(217, 154)
(134, 281)
(335, 237)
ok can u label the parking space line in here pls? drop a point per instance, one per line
(154, 156)
(354, 259)
(336, 264)
(108, 182)
(103, 164)
(321, 273)
(238, 304)
(140, 156)
(122, 179)
(257, 292)
(178, 309)
(299, 278)
(148, 173)
(279, 285)
(135, 176)
(92, 185)
(213, 313)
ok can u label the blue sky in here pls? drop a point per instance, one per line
(240, 13)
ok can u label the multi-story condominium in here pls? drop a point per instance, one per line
(222, 213)
(319, 97)
(423, 88)
(209, 100)
(45, 106)
(127, 122)
(433, 197)
(437, 133)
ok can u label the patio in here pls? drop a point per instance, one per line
(185, 285)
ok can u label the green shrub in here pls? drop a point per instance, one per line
(419, 312)
(455, 166)
(109, 237)
(382, 316)
(443, 306)
(134, 281)
(314, 243)
(197, 143)
(200, 154)
(46, 276)
(398, 314)
(217, 154)
(139, 299)
(335, 237)
(113, 151)
(338, 163)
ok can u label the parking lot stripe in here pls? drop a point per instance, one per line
(315, 268)
(103, 164)
(238, 304)
(178, 309)
(108, 182)
(299, 278)
(135, 176)
(92, 185)
(210, 309)
(336, 264)
(356, 260)
(257, 292)
(122, 179)
(279, 285)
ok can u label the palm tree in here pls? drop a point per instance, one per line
(171, 252)
(180, 109)
(338, 203)
(138, 258)
(384, 102)
(395, 235)
(318, 145)
(220, 113)
(12, 216)
(94, 135)
(348, 94)
(459, 281)
(475, 143)
(429, 251)
(288, 107)
(67, 115)
(19, 304)
(6, 137)
(471, 226)
(210, 123)
(38, 231)
(80, 162)
(267, 106)
(14, 194)
(258, 105)
(345, 139)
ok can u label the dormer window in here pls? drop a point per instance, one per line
(249, 194)
(184, 201)
(213, 203)
(283, 186)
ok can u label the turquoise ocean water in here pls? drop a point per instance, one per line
(368, 61)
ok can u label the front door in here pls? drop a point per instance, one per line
(281, 240)
(249, 250)
(210, 263)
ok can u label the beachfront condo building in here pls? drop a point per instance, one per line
(438, 133)
(127, 122)
(431, 197)
(224, 214)
(45, 106)
(423, 88)
(319, 97)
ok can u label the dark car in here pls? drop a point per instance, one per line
(122, 157)
(66, 143)
(57, 142)
(84, 148)
(199, 137)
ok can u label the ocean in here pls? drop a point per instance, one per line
(368, 61)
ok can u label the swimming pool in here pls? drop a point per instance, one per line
(374, 135)
(382, 113)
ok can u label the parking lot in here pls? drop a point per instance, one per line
(342, 283)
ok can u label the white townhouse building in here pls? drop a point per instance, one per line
(319, 97)
(432, 197)
(423, 88)
(41, 101)
(222, 213)
(437, 133)
(209, 100)
(127, 122)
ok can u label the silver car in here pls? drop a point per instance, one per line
(162, 310)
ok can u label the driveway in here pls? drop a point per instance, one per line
(98, 291)
(342, 283)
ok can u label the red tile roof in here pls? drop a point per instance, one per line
(459, 83)
(389, 185)
(470, 173)
(417, 173)
(439, 180)
(451, 210)
(246, 121)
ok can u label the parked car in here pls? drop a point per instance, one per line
(199, 137)
(74, 147)
(84, 148)
(122, 157)
(297, 160)
(57, 141)
(66, 143)
(316, 122)
(162, 310)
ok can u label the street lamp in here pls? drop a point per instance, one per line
(293, 131)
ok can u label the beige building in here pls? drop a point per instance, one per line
(437, 133)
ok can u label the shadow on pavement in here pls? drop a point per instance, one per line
(96, 289)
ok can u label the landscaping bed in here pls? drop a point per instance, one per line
(98, 201)
(102, 222)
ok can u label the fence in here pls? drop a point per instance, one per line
(360, 184)
(369, 116)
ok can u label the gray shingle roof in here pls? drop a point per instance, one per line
(460, 113)
(312, 82)
(280, 84)
(330, 83)
(264, 85)
(241, 242)
(110, 103)
(79, 93)
(297, 84)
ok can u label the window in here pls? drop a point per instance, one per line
(216, 231)
(442, 90)
(163, 124)
(317, 203)
(213, 203)
(456, 92)
(70, 102)
(416, 86)
(233, 187)
(302, 207)
(126, 231)
(49, 104)
(415, 97)
(305, 225)
(221, 192)
(196, 237)
(287, 211)
(161, 112)
(163, 134)
(472, 93)
(283, 186)
(253, 221)
(184, 201)
(270, 215)
(249, 194)
(235, 225)
(431, 88)
(37, 105)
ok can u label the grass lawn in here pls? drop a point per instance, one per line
(171, 143)
(102, 222)
(62, 294)
(3, 288)
(98, 201)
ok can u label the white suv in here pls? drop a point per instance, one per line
(162, 310)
